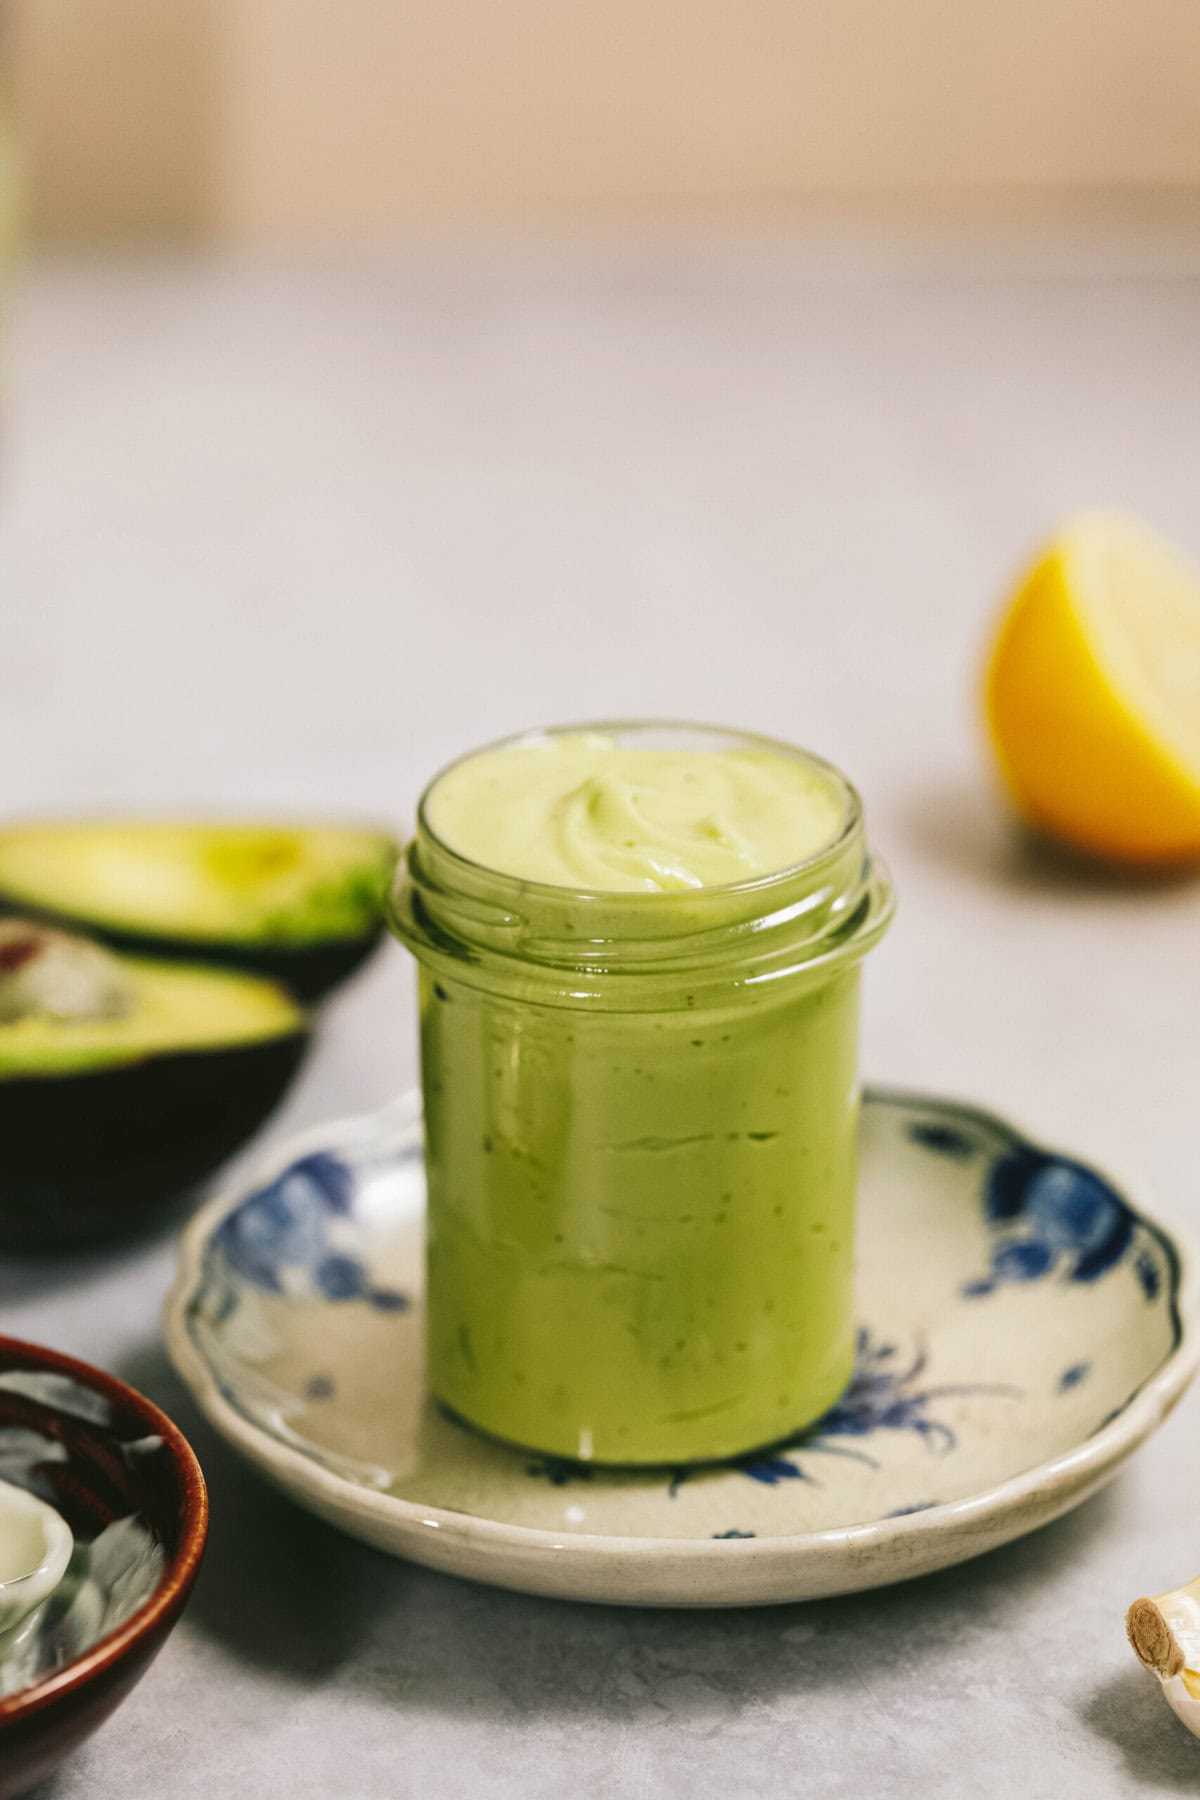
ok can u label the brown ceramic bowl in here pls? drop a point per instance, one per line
(106, 1457)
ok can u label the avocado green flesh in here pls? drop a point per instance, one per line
(238, 885)
(175, 1009)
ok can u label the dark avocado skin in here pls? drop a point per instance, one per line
(308, 971)
(93, 1156)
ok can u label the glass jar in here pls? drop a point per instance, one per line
(640, 1118)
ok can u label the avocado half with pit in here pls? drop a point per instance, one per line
(124, 1082)
(301, 905)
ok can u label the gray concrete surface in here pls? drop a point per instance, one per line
(281, 534)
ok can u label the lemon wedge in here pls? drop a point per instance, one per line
(1092, 692)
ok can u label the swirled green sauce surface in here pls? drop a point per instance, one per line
(583, 812)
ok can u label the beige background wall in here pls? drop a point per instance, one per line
(252, 119)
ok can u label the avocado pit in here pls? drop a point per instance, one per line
(125, 1081)
(51, 974)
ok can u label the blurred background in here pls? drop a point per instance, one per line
(261, 121)
(381, 378)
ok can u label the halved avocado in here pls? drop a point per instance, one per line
(124, 1082)
(298, 904)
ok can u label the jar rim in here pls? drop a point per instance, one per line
(728, 737)
(625, 949)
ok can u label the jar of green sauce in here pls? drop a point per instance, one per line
(639, 951)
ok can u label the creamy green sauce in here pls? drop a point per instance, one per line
(580, 811)
(641, 1227)
(641, 1193)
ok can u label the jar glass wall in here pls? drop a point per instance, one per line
(640, 1114)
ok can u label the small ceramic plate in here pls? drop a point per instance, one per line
(1024, 1328)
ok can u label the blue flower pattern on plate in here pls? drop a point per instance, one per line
(300, 1235)
(559, 1471)
(885, 1394)
(1054, 1217)
(1145, 1267)
(882, 1398)
(943, 1139)
(285, 1229)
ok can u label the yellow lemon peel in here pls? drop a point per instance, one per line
(1092, 693)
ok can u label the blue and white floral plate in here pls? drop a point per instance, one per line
(1024, 1328)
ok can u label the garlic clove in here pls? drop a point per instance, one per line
(1165, 1634)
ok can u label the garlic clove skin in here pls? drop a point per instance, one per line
(1165, 1634)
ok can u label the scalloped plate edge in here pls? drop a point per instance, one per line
(635, 1571)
